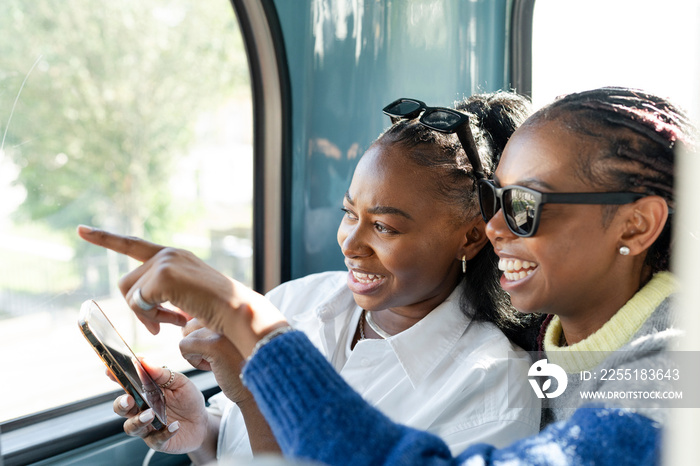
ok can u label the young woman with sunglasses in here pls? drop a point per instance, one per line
(413, 326)
(579, 212)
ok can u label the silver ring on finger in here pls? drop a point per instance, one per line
(170, 380)
(140, 302)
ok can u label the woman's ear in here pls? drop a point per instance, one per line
(644, 223)
(474, 239)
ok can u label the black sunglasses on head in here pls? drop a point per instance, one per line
(522, 206)
(442, 119)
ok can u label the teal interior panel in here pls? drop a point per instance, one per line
(349, 58)
(119, 449)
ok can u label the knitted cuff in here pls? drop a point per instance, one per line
(288, 377)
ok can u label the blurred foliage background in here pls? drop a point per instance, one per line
(108, 104)
(132, 116)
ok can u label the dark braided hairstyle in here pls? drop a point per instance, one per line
(633, 135)
(497, 116)
(493, 118)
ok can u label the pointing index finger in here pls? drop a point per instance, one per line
(136, 248)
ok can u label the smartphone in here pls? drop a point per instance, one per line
(121, 361)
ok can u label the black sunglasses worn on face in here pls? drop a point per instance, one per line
(442, 119)
(522, 206)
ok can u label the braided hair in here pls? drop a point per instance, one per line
(493, 118)
(635, 134)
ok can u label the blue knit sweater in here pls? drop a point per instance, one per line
(315, 415)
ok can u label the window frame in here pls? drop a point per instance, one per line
(49, 433)
(272, 141)
(521, 46)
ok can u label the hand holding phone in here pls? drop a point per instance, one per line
(121, 361)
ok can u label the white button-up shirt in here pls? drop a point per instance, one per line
(446, 374)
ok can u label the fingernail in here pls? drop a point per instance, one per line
(124, 402)
(174, 426)
(146, 416)
(86, 228)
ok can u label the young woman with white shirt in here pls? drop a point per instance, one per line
(413, 325)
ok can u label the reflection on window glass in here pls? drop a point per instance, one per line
(645, 44)
(130, 116)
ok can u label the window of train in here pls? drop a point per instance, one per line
(647, 44)
(130, 116)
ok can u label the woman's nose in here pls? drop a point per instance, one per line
(352, 241)
(497, 229)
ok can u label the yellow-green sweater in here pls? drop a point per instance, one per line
(634, 341)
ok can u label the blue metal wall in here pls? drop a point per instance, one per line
(349, 58)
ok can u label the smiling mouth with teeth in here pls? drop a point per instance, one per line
(367, 277)
(516, 269)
